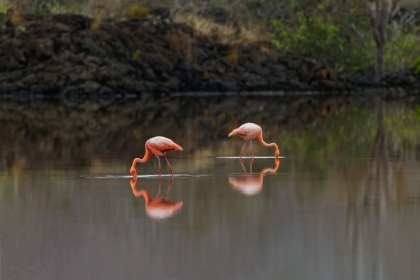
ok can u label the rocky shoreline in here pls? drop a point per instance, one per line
(74, 55)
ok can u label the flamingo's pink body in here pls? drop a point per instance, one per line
(158, 207)
(251, 184)
(250, 131)
(157, 146)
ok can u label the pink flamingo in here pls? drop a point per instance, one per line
(157, 207)
(250, 184)
(158, 146)
(250, 131)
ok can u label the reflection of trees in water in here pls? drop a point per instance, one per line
(376, 188)
(350, 135)
(367, 207)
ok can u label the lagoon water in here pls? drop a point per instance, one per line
(343, 202)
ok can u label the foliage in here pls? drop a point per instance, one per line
(417, 111)
(335, 31)
(86, 7)
(417, 64)
(403, 48)
(139, 11)
(16, 19)
(343, 39)
(2, 9)
(226, 33)
(322, 39)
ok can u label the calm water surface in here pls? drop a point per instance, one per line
(343, 202)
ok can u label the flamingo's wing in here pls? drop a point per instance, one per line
(248, 185)
(248, 131)
(163, 209)
(162, 144)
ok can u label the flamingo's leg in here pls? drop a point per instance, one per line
(170, 186)
(242, 163)
(160, 167)
(250, 165)
(250, 151)
(242, 151)
(159, 186)
(170, 167)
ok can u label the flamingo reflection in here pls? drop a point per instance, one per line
(158, 207)
(248, 183)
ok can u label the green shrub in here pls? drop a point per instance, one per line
(138, 11)
(402, 48)
(417, 64)
(319, 38)
(417, 111)
(2, 9)
(356, 22)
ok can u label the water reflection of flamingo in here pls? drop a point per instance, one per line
(248, 183)
(250, 131)
(158, 146)
(157, 207)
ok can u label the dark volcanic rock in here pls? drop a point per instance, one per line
(40, 48)
(64, 53)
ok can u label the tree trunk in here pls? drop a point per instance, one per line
(380, 67)
(380, 12)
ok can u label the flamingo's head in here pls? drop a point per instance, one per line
(277, 153)
(133, 171)
(233, 132)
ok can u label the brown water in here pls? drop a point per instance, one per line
(343, 202)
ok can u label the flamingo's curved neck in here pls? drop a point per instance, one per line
(137, 193)
(146, 156)
(146, 196)
(261, 140)
(269, 169)
(133, 182)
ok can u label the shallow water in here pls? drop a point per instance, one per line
(343, 202)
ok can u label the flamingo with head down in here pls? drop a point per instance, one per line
(250, 131)
(157, 146)
(251, 184)
(158, 207)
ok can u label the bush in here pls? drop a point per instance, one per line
(2, 9)
(321, 39)
(402, 48)
(139, 11)
(417, 64)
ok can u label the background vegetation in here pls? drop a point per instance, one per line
(337, 32)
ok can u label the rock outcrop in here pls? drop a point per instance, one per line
(72, 54)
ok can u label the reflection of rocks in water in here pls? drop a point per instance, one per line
(89, 129)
